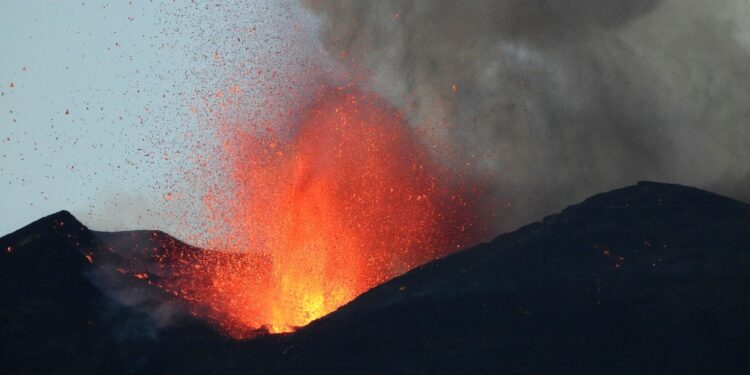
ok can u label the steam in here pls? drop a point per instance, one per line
(557, 100)
(135, 311)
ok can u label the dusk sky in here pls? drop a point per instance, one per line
(104, 106)
(95, 95)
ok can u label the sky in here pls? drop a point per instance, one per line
(97, 100)
(104, 105)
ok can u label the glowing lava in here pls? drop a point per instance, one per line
(347, 199)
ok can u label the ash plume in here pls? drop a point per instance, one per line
(556, 100)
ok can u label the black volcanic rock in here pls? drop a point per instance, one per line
(41, 278)
(55, 317)
(651, 278)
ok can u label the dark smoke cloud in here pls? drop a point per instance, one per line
(558, 100)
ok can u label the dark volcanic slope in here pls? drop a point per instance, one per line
(63, 310)
(647, 279)
(652, 278)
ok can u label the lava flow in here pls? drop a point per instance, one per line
(346, 200)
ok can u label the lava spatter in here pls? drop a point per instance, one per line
(349, 198)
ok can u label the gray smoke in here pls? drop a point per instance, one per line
(134, 310)
(557, 100)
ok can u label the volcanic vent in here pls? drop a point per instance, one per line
(344, 199)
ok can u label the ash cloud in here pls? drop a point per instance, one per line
(557, 100)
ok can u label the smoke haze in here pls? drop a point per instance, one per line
(557, 100)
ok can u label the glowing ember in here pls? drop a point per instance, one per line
(350, 198)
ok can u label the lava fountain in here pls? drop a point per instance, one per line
(349, 198)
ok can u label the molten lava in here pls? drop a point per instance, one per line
(347, 199)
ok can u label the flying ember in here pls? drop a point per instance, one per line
(348, 198)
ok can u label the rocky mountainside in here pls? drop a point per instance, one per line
(650, 278)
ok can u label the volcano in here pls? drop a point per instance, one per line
(644, 279)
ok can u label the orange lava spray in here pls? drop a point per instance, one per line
(349, 198)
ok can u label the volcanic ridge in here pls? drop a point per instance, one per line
(644, 279)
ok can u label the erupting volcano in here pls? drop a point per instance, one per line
(375, 187)
(349, 197)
